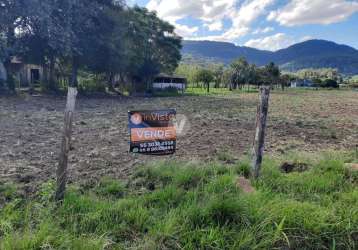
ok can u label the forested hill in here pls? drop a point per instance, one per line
(308, 54)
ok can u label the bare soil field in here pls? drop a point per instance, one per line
(30, 130)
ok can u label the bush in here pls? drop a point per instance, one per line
(90, 86)
(353, 85)
(329, 83)
(89, 83)
(8, 86)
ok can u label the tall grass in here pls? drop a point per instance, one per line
(174, 205)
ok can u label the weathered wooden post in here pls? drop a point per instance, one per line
(65, 146)
(259, 141)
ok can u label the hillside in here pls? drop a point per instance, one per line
(308, 54)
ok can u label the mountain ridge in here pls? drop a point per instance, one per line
(314, 53)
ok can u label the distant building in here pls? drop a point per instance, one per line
(26, 74)
(164, 81)
(301, 83)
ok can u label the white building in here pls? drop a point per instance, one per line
(163, 81)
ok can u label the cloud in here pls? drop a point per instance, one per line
(300, 12)
(242, 19)
(263, 30)
(212, 13)
(185, 31)
(306, 38)
(206, 10)
(272, 43)
(214, 26)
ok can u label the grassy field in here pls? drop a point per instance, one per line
(194, 205)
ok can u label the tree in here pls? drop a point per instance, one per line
(252, 77)
(12, 18)
(154, 44)
(45, 37)
(110, 55)
(218, 74)
(205, 76)
(329, 83)
(97, 36)
(272, 73)
(189, 71)
(240, 73)
(284, 80)
(226, 80)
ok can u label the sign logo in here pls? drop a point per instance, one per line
(153, 132)
(136, 118)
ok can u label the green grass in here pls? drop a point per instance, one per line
(176, 205)
(217, 91)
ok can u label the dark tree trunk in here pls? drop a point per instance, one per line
(9, 83)
(111, 82)
(208, 87)
(51, 78)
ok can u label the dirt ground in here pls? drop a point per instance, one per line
(30, 130)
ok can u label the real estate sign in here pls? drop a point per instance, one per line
(152, 132)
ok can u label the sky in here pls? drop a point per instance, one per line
(262, 24)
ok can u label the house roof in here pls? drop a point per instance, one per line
(163, 75)
(16, 60)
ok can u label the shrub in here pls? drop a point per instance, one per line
(89, 86)
(329, 83)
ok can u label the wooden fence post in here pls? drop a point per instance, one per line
(259, 141)
(65, 146)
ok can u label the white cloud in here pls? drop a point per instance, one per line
(185, 31)
(306, 38)
(299, 12)
(213, 13)
(263, 30)
(243, 18)
(207, 10)
(272, 43)
(214, 26)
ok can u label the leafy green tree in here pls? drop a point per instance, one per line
(98, 36)
(81, 22)
(218, 74)
(285, 80)
(188, 71)
(240, 72)
(12, 18)
(330, 83)
(205, 76)
(110, 55)
(154, 45)
(272, 73)
(226, 80)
